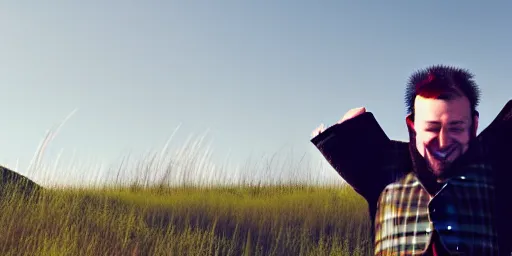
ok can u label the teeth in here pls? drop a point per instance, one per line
(443, 155)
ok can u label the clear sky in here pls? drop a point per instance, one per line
(259, 76)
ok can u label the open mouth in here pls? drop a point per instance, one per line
(444, 154)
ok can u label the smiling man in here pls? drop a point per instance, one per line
(447, 190)
(443, 116)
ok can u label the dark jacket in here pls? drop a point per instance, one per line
(362, 154)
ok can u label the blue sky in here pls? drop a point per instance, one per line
(258, 76)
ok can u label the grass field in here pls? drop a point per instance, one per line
(273, 220)
(151, 215)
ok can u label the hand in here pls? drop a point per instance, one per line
(350, 114)
(318, 130)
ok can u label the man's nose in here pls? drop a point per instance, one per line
(444, 139)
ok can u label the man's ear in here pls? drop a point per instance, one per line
(410, 123)
(476, 117)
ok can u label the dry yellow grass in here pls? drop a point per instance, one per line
(273, 220)
(162, 212)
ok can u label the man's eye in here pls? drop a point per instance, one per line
(432, 129)
(456, 130)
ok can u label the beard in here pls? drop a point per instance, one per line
(439, 160)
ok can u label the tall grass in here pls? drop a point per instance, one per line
(273, 220)
(177, 204)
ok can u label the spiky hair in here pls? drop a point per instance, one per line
(435, 80)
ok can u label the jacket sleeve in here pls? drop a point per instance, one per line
(498, 136)
(498, 140)
(362, 154)
(506, 130)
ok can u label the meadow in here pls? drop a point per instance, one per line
(155, 218)
(274, 220)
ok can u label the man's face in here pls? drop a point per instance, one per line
(442, 130)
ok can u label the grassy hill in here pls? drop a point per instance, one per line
(245, 220)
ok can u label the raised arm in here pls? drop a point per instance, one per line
(498, 139)
(498, 135)
(363, 155)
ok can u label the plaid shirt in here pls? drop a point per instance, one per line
(405, 206)
(462, 213)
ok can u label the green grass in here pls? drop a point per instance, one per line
(182, 203)
(244, 220)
